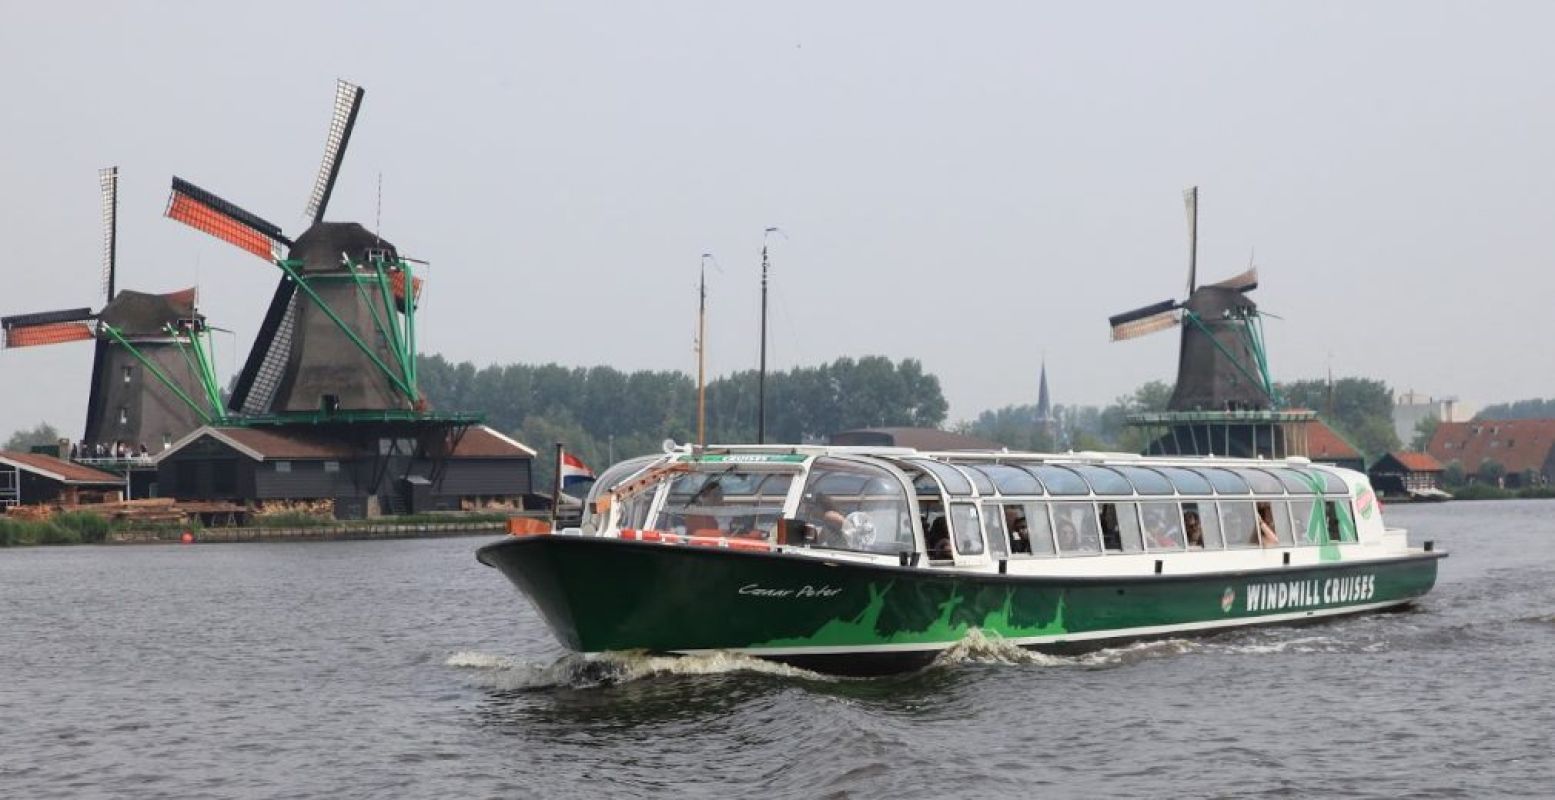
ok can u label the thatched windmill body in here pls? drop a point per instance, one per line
(152, 372)
(1224, 401)
(339, 335)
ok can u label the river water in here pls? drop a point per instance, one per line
(406, 669)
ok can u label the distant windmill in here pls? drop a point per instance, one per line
(152, 375)
(339, 335)
(1222, 364)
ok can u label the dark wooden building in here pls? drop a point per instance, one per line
(1406, 475)
(34, 478)
(256, 465)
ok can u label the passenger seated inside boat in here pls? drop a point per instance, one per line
(1333, 521)
(1111, 538)
(1264, 533)
(1162, 531)
(938, 539)
(1190, 520)
(1068, 536)
(1020, 533)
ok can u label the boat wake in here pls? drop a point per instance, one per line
(575, 671)
(978, 647)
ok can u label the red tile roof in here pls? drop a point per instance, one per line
(1324, 444)
(1517, 444)
(60, 469)
(1417, 462)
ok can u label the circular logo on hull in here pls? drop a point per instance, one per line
(1227, 599)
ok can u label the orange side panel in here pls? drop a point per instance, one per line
(202, 217)
(54, 333)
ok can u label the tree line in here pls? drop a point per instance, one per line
(1358, 409)
(604, 414)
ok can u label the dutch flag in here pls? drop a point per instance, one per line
(574, 470)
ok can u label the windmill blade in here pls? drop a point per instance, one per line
(206, 212)
(348, 99)
(1190, 200)
(108, 180)
(1148, 319)
(1245, 282)
(49, 327)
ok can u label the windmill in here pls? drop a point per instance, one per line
(152, 373)
(339, 335)
(1222, 364)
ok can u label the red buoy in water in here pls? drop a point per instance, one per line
(187, 538)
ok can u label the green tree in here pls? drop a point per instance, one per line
(40, 434)
(1453, 474)
(1490, 472)
(1360, 409)
(1424, 430)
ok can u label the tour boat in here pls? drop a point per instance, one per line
(863, 560)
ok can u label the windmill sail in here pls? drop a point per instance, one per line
(49, 327)
(348, 100)
(108, 180)
(1140, 321)
(206, 212)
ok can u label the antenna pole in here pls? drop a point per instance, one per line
(761, 376)
(702, 356)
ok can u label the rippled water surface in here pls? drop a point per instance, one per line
(404, 668)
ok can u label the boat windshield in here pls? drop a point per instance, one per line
(848, 505)
(733, 501)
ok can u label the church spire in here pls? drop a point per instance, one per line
(1044, 402)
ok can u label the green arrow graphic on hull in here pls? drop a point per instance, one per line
(863, 628)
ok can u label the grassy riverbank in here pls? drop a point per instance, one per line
(83, 527)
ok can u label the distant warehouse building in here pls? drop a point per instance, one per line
(1520, 451)
(35, 479)
(288, 464)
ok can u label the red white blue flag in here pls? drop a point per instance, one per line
(574, 470)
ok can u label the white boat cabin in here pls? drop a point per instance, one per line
(1014, 513)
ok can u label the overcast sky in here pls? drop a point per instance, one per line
(973, 185)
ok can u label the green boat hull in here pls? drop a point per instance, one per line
(604, 594)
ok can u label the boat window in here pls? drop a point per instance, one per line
(609, 479)
(1075, 528)
(1030, 530)
(730, 502)
(1008, 479)
(1120, 527)
(1332, 484)
(994, 528)
(966, 528)
(1308, 516)
(1201, 526)
(1239, 523)
(1277, 514)
(1163, 526)
(1146, 481)
(1058, 480)
(952, 479)
(936, 531)
(979, 480)
(1104, 480)
(1262, 482)
(1297, 482)
(634, 510)
(1341, 525)
(847, 505)
(1186, 480)
(1225, 481)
